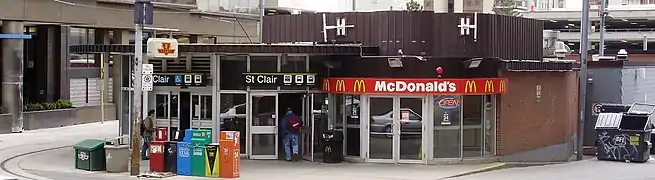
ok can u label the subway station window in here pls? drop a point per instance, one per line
(233, 115)
(293, 64)
(352, 113)
(161, 109)
(231, 68)
(206, 107)
(175, 101)
(447, 126)
(263, 64)
(195, 107)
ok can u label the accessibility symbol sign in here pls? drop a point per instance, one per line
(178, 79)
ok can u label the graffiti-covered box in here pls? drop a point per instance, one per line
(625, 136)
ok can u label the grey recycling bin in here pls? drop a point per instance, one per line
(625, 136)
(117, 154)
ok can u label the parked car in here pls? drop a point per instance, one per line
(383, 123)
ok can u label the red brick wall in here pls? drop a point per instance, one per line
(525, 124)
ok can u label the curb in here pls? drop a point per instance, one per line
(494, 166)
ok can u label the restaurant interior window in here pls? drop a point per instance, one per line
(352, 113)
(231, 68)
(472, 134)
(161, 110)
(447, 126)
(233, 115)
(263, 64)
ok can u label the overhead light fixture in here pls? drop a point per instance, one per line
(65, 2)
(571, 24)
(571, 44)
(624, 20)
(553, 21)
(473, 63)
(633, 23)
(624, 41)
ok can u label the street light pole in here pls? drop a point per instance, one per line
(584, 37)
(603, 15)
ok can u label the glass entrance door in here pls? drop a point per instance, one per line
(307, 134)
(263, 123)
(396, 129)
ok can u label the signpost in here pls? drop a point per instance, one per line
(147, 77)
(143, 15)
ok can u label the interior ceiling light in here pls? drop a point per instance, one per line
(624, 20)
(633, 23)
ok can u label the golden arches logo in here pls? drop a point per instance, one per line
(503, 86)
(326, 85)
(359, 86)
(489, 86)
(470, 87)
(341, 86)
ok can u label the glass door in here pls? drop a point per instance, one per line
(396, 129)
(263, 123)
(307, 134)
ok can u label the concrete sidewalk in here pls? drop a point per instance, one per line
(12, 146)
(259, 169)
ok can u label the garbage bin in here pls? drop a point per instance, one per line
(170, 157)
(183, 158)
(212, 162)
(198, 160)
(625, 136)
(230, 154)
(117, 154)
(90, 155)
(332, 146)
(157, 156)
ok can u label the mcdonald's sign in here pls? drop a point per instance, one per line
(341, 85)
(326, 85)
(489, 86)
(470, 87)
(359, 86)
(503, 86)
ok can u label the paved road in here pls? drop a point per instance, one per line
(589, 169)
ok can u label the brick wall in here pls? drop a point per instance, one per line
(525, 123)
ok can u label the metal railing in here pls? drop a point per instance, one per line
(171, 2)
(610, 30)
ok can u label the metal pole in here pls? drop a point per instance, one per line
(603, 15)
(262, 13)
(102, 88)
(584, 37)
(136, 106)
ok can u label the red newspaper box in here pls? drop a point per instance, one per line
(161, 134)
(230, 154)
(157, 156)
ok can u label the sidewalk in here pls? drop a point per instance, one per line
(58, 163)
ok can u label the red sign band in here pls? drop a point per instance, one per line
(475, 86)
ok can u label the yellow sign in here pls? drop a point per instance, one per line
(503, 86)
(341, 86)
(489, 86)
(359, 85)
(470, 87)
(326, 85)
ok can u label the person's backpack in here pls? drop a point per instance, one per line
(143, 127)
(294, 124)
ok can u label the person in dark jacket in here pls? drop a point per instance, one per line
(290, 137)
(147, 132)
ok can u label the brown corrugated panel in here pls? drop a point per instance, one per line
(414, 32)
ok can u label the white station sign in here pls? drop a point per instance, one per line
(162, 48)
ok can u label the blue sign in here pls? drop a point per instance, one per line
(143, 12)
(178, 79)
(15, 36)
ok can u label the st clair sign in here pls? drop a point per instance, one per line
(162, 48)
(415, 86)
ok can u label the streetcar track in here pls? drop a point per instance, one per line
(3, 164)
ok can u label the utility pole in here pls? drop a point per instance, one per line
(603, 14)
(143, 14)
(262, 13)
(582, 100)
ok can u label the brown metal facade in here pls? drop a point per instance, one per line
(237, 49)
(434, 34)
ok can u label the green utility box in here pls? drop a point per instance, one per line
(202, 134)
(200, 141)
(90, 155)
(198, 159)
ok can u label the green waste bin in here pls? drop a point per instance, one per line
(200, 141)
(198, 158)
(90, 155)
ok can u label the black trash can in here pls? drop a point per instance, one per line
(625, 136)
(332, 146)
(170, 157)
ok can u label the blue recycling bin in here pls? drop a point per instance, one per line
(188, 134)
(184, 158)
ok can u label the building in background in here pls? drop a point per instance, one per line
(52, 73)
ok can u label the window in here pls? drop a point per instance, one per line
(353, 121)
(161, 109)
(233, 115)
(231, 68)
(175, 100)
(447, 127)
(206, 105)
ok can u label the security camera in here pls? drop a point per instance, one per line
(622, 55)
(400, 52)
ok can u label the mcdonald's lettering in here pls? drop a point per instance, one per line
(359, 86)
(489, 86)
(470, 87)
(326, 85)
(341, 85)
(503, 86)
